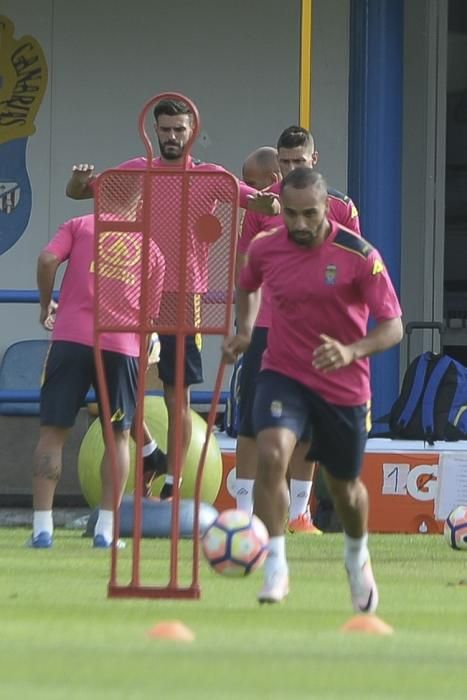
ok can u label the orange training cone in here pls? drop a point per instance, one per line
(367, 624)
(171, 629)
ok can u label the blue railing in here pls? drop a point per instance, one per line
(32, 396)
(22, 296)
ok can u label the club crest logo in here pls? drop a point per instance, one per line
(330, 274)
(276, 409)
(23, 80)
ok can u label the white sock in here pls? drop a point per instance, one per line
(275, 561)
(105, 523)
(149, 448)
(299, 496)
(169, 479)
(42, 522)
(355, 551)
(244, 494)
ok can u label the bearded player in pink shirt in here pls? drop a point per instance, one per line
(324, 282)
(295, 148)
(70, 367)
(174, 129)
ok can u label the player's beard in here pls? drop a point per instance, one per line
(307, 238)
(171, 150)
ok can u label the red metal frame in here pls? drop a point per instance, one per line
(181, 329)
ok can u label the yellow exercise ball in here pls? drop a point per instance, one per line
(155, 416)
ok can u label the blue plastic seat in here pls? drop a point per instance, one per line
(21, 369)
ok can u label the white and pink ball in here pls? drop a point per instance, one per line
(235, 544)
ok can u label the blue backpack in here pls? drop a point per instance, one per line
(232, 408)
(432, 404)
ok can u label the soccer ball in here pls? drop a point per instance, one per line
(455, 528)
(235, 544)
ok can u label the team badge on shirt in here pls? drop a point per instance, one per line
(276, 409)
(330, 274)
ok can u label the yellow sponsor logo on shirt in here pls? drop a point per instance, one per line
(378, 267)
(119, 255)
(354, 212)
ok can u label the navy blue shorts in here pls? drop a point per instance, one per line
(339, 432)
(193, 365)
(251, 366)
(70, 372)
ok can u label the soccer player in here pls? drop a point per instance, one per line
(261, 168)
(324, 283)
(296, 148)
(174, 128)
(70, 368)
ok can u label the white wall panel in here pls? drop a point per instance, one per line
(238, 61)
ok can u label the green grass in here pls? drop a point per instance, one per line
(61, 638)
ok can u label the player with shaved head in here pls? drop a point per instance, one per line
(261, 168)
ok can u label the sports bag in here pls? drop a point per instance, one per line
(432, 404)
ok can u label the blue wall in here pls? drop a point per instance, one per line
(375, 150)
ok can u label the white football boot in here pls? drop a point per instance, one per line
(363, 589)
(275, 588)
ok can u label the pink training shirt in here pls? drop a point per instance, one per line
(120, 272)
(204, 195)
(330, 289)
(141, 163)
(341, 209)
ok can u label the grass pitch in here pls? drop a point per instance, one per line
(61, 638)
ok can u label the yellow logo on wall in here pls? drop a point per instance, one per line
(23, 81)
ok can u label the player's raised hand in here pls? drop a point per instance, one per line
(266, 203)
(79, 185)
(233, 346)
(331, 354)
(82, 172)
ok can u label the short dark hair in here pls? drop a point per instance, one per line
(172, 108)
(295, 136)
(300, 178)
